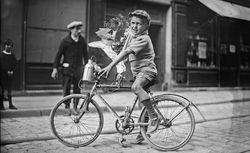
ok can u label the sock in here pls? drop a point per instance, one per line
(151, 112)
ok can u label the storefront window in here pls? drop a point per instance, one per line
(200, 36)
(245, 51)
(199, 53)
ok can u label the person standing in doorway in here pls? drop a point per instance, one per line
(8, 64)
(73, 50)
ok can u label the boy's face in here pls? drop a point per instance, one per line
(137, 25)
(8, 47)
(76, 31)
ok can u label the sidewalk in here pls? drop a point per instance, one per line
(41, 105)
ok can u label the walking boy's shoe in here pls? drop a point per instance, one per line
(12, 107)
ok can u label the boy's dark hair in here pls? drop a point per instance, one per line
(8, 42)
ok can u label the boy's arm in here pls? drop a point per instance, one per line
(120, 56)
(57, 60)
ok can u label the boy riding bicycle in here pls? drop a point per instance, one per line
(139, 49)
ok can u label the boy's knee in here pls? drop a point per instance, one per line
(136, 88)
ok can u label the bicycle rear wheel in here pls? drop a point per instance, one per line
(70, 132)
(178, 127)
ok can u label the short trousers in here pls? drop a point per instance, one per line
(146, 74)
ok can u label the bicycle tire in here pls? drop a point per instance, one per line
(74, 134)
(174, 135)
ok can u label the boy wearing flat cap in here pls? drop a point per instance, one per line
(139, 49)
(73, 49)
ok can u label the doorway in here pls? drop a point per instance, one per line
(229, 50)
(155, 35)
(46, 23)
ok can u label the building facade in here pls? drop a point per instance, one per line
(216, 48)
(195, 44)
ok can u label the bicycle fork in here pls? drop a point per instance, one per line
(84, 107)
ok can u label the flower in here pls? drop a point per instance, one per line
(114, 30)
(104, 33)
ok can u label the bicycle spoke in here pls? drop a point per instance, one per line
(73, 132)
(177, 127)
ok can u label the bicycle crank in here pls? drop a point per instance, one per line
(124, 129)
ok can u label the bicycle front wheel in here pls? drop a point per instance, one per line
(176, 125)
(72, 132)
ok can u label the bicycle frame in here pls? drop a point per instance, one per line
(93, 92)
(168, 107)
(97, 85)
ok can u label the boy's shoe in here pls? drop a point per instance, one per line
(140, 138)
(12, 107)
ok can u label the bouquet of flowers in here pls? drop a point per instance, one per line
(113, 36)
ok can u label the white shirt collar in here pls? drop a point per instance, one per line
(74, 38)
(7, 53)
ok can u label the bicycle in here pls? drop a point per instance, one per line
(84, 125)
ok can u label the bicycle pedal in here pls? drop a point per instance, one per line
(123, 142)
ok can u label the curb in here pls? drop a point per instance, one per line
(19, 93)
(46, 112)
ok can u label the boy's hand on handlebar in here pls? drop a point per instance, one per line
(105, 71)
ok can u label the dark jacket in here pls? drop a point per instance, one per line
(72, 53)
(7, 63)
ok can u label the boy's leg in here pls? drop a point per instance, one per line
(8, 88)
(76, 90)
(143, 96)
(11, 106)
(139, 137)
(1, 93)
(66, 83)
(1, 102)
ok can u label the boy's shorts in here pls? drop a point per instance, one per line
(146, 74)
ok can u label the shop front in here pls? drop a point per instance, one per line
(157, 31)
(197, 42)
(37, 27)
(217, 50)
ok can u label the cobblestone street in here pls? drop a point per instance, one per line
(220, 136)
(225, 131)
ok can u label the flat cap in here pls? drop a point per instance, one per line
(74, 24)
